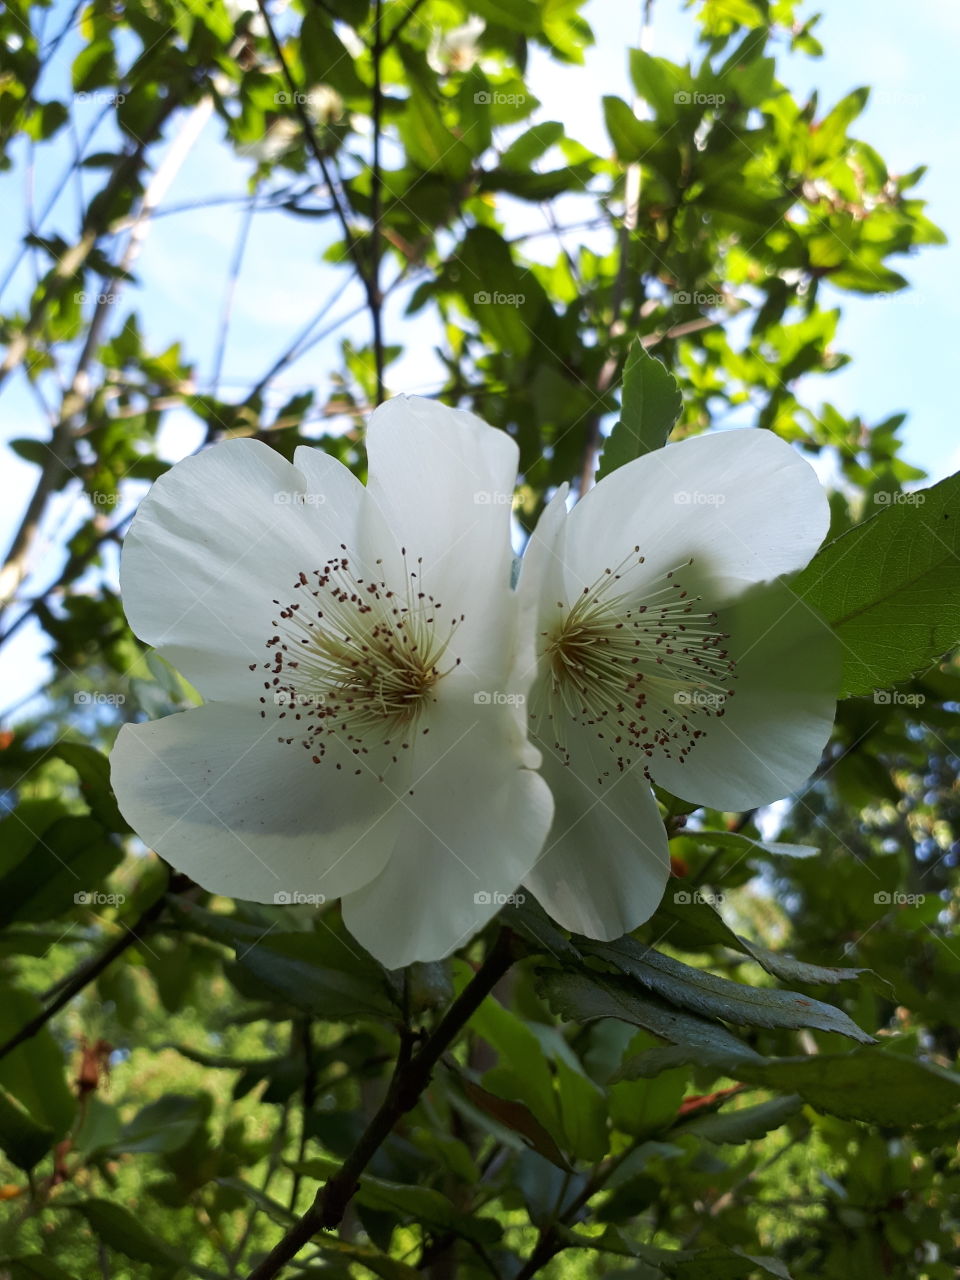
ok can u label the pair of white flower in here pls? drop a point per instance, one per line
(387, 721)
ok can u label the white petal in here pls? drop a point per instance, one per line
(215, 541)
(216, 795)
(777, 723)
(606, 861)
(542, 581)
(444, 481)
(469, 832)
(743, 503)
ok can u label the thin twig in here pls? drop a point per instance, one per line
(91, 969)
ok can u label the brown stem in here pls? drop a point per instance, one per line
(408, 1083)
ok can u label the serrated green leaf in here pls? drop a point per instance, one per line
(649, 410)
(715, 997)
(890, 588)
(583, 997)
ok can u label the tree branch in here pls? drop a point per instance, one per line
(91, 969)
(409, 1081)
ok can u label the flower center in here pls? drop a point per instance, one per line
(642, 667)
(354, 659)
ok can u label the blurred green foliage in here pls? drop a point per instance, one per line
(207, 1062)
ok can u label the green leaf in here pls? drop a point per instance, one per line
(72, 856)
(34, 1071)
(497, 293)
(516, 15)
(33, 1266)
(890, 588)
(715, 997)
(93, 770)
(531, 145)
(870, 1084)
(749, 844)
(633, 140)
(381, 1264)
(430, 143)
(651, 405)
(305, 970)
(582, 998)
(518, 1117)
(430, 1208)
(118, 1228)
(94, 66)
(695, 924)
(23, 1141)
(162, 1126)
(744, 1124)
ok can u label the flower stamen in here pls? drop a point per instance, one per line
(356, 659)
(641, 666)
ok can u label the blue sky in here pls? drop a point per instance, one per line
(902, 346)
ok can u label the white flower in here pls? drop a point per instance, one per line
(359, 738)
(659, 658)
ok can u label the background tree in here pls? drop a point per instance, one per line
(181, 1073)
